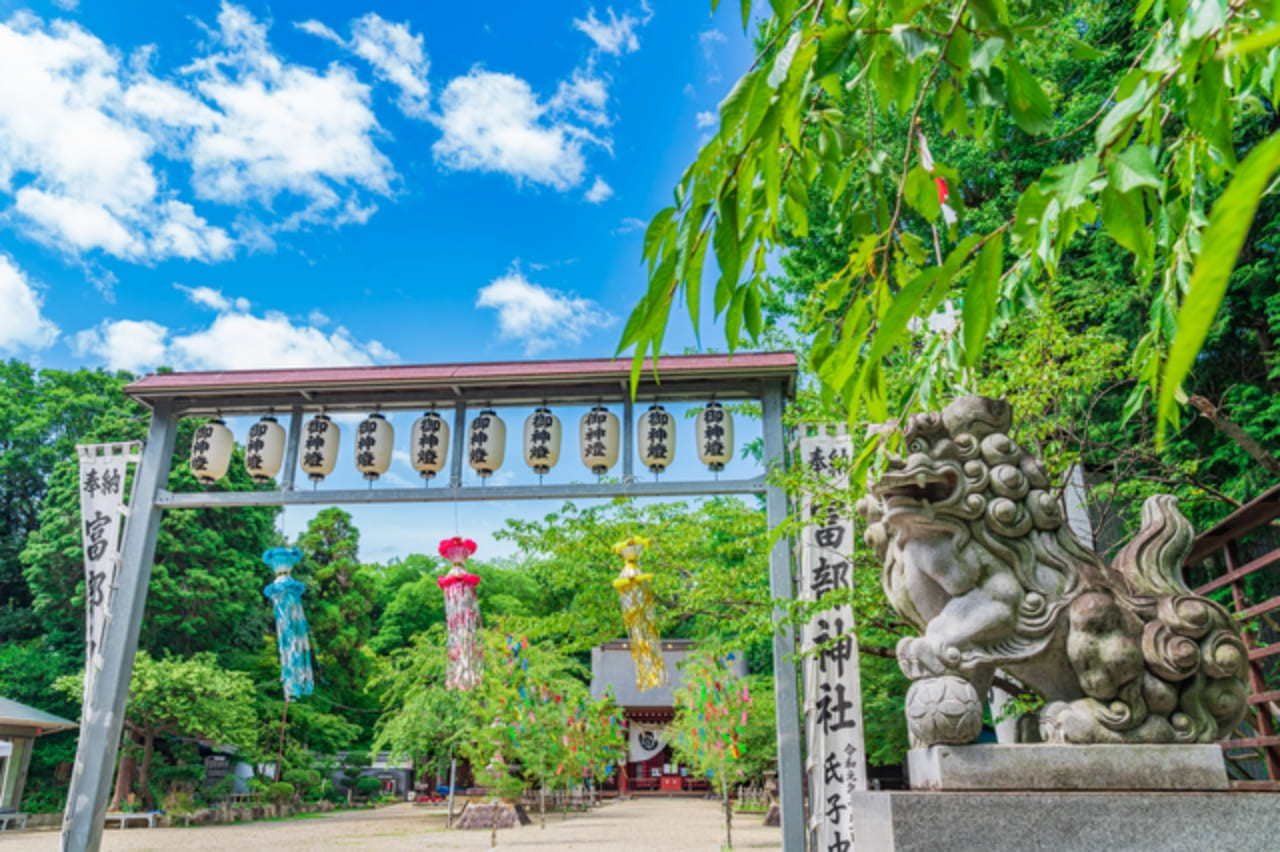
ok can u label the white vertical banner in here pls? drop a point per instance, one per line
(102, 476)
(832, 682)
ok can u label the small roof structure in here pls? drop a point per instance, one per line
(14, 714)
(407, 386)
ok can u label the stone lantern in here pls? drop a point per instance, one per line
(211, 448)
(715, 436)
(264, 451)
(429, 444)
(541, 440)
(320, 438)
(487, 443)
(374, 441)
(656, 434)
(599, 433)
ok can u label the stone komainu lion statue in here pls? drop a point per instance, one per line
(978, 557)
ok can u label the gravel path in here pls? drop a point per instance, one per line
(639, 825)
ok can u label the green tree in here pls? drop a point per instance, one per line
(1175, 162)
(174, 697)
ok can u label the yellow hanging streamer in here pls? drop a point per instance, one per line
(638, 615)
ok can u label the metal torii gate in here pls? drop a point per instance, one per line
(769, 378)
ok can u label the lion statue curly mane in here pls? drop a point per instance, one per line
(977, 555)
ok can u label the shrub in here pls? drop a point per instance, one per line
(279, 793)
(367, 786)
(305, 781)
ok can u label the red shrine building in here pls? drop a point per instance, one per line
(651, 764)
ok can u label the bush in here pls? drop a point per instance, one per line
(367, 786)
(279, 793)
(305, 781)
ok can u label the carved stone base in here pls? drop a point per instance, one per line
(1067, 767)
(1065, 822)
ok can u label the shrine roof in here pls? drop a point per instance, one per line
(678, 377)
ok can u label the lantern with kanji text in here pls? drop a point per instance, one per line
(487, 443)
(599, 434)
(715, 436)
(541, 440)
(320, 438)
(657, 437)
(264, 451)
(211, 448)
(374, 441)
(429, 444)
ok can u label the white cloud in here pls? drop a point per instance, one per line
(235, 340)
(67, 128)
(132, 345)
(239, 341)
(91, 134)
(395, 54)
(629, 224)
(706, 119)
(538, 316)
(214, 299)
(67, 5)
(599, 192)
(22, 326)
(616, 36)
(494, 123)
(707, 40)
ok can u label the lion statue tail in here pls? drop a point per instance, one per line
(1188, 642)
(1151, 564)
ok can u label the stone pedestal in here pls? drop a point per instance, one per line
(1068, 767)
(1065, 821)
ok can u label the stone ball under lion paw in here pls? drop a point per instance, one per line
(944, 711)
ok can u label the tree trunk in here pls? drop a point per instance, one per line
(144, 771)
(542, 806)
(493, 825)
(124, 773)
(1242, 439)
(728, 808)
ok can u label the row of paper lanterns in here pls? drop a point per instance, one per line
(599, 434)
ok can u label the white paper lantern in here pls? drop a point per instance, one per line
(715, 436)
(430, 444)
(264, 451)
(657, 439)
(487, 443)
(320, 439)
(542, 440)
(599, 434)
(374, 441)
(211, 451)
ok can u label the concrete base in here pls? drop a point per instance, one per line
(1159, 768)
(1064, 822)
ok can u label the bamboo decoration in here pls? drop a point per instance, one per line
(638, 615)
(462, 616)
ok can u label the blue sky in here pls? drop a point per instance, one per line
(213, 185)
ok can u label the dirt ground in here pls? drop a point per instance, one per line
(640, 825)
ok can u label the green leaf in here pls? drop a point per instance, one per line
(728, 251)
(922, 194)
(1229, 224)
(901, 310)
(985, 54)
(834, 41)
(751, 312)
(1027, 101)
(782, 62)
(1125, 219)
(1118, 117)
(1263, 40)
(980, 297)
(656, 233)
(746, 14)
(735, 104)
(1132, 168)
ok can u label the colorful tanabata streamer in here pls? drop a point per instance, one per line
(462, 616)
(711, 694)
(285, 594)
(638, 615)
